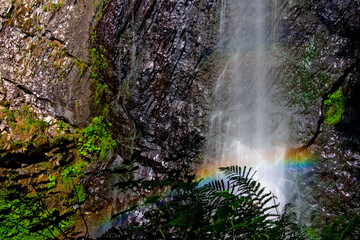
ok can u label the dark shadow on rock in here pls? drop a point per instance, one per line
(349, 127)
(340, 17)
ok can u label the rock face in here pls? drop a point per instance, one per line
(163, 59)
(319, 61)
(320, 40)
(340, 17)
(41, 42)
(159, 50)
(163, 63)
(343, 19)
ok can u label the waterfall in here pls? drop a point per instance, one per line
(222, 19)
(246, 127)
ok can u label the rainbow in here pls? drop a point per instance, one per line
(293, 160)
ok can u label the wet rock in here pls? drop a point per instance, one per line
(322, 41)
(159, 50)
(40, 43)
(315, 63)
(5, 7)
(340, 17)
(349, 127)
(2, 126)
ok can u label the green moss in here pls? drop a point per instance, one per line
(335, 105)
(82, 66)
(26, 126)
(99, 68)
(58, 6)
(53, 7)
(100, 6)
(96, 139)
(101, 91)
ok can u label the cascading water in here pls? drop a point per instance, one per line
(246, 128)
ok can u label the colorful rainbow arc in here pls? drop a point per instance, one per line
(293, 160)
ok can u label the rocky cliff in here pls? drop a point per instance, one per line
(321, 84)
(158, 51)
(41, 42)
(143, 68)
(146, 71)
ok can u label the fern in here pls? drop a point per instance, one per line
(236, 207)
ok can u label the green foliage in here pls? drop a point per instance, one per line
(68, 177)
(25, 120)
(97, 139)
(62, 126)
(80, 194)
(232, 208)
(37, 201)
(52, 182)
(72, 173)
(52, 6)
(24, 213)
(335, 105)
(27, 208)
(344, 227)
(97, 57)
(101, 90)
(58, 5)
(73, 170)
(98, 71)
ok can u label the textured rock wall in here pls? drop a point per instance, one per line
(321, 54)
(40, 40)
(164, 65)
(164, 60)
(159, 50)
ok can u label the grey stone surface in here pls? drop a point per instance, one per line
(39, 44)
(160, 53)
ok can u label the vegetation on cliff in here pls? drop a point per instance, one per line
(78, 109)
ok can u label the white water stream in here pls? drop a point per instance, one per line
(246, 128)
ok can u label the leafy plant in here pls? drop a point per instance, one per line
(232, 208)
(24, 213)
(97, 140)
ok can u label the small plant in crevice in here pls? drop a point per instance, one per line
(100, 6)
(335, 105)
(81, 65)
(96, 140)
